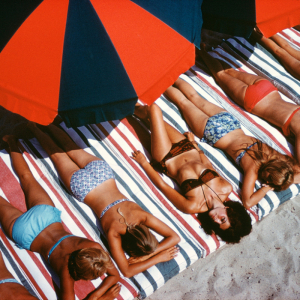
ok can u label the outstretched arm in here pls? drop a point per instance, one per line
(181, 203)
(250, 198)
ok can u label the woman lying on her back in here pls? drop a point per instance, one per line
(40, 230)
(125, 224)
(222, 130)
(203, 191)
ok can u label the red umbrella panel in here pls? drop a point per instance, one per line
(90, 61)
(239, 18)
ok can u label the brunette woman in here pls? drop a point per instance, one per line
(125, 224)
(40, 230)
(203, 191)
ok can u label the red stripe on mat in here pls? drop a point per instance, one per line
(11, 187)
(21, 264)
(150, 184)
(290, 38)
(82, 288)
(242, 112)
(135, 127)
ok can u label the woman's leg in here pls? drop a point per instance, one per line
(8, 216)
(34, 193)
(234, 83)
(190, 108)
(162, 134)
(78, 155)
(287, 55)
(286, 46)
(62, 162)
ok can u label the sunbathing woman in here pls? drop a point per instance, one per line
(222, 130)
(203, 191)
(288, 56)
(40, 230)
(258, 96)
(125, 224)
(10, 288)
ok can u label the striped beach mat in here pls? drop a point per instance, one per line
(263, 63)
(114, 142)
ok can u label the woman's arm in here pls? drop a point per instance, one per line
(180, 202)
(129, 269)
(112, 278)
(250, 198)
(66, 285)
(171, 238)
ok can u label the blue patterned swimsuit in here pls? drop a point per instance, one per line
(218, 126)
(86, 179)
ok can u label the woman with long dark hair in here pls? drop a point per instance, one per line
(202, 189)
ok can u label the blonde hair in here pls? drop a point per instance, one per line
(138, 240)
(274, 168)
(88, 263)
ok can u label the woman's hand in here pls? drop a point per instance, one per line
(190, 136)
(139, 157)
(168, 254)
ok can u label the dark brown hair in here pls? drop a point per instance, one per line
(88, 263)
(239, 219)
(274, 168)
(138, 240)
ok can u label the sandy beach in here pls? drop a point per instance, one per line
(264, 265)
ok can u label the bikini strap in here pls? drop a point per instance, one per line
(56, 244)
(119, 211)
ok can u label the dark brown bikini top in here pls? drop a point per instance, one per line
(191, 184)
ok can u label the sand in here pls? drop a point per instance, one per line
(264, 265)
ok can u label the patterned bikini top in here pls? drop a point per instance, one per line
(205, 177)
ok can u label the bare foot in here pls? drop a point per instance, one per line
(141, 111)
(9, 138)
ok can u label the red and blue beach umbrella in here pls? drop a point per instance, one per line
(90, 60)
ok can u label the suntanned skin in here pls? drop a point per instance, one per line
(272, 108)
(196, 112)
(35, 195)
(70, 160)
(187, 165)
(288, 56)
(10, 290)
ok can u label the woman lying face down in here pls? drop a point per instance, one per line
(40, 230)
(203, 191)
(125, 224)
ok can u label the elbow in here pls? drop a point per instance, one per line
(117, 278)
(127, 273)
(176, 239)
(247, 204)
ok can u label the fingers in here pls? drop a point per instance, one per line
(173, 252)
(115, 290)
(135, 153)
